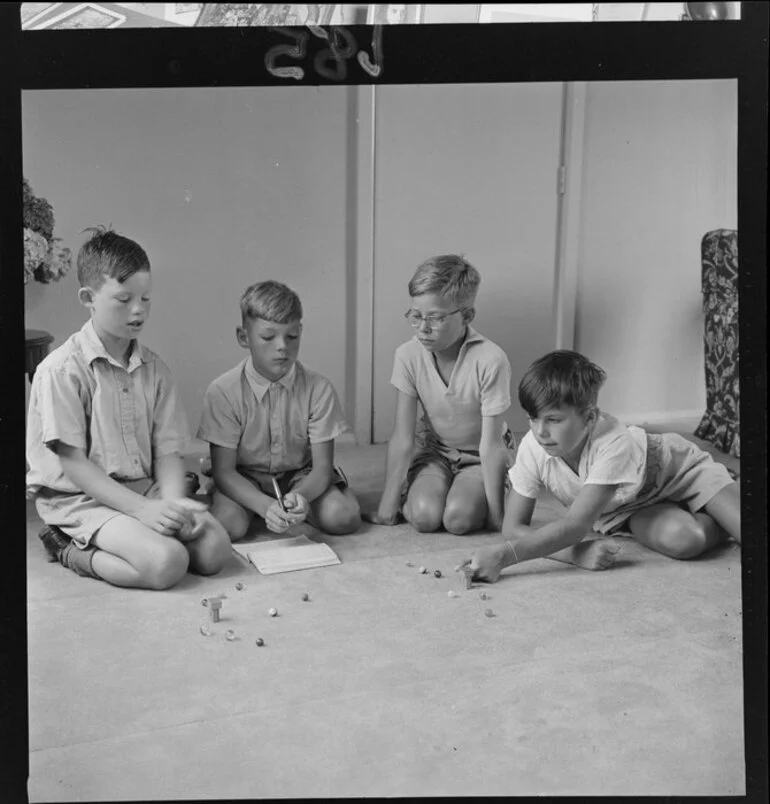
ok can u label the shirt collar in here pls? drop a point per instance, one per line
(471, 336)
(260, 385)
(93, 348)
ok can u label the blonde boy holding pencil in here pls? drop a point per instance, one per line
(271, 424)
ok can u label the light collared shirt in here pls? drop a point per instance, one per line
(123, 418)
(480, 385)
(613, 455)
(271, 425)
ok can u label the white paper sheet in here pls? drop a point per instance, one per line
(287, 555)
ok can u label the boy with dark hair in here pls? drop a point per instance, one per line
(104, 435)
(670, 494)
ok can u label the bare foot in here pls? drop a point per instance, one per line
(591, 554)
(597, 554)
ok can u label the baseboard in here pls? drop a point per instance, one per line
(683, 418)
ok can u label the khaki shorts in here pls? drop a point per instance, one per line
(447, 462)
(81, 516)
(678, 471)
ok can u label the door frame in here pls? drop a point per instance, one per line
(565, 296)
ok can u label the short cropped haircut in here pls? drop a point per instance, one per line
(559, 379)
(271, 301)
(107, 254)
(451, 276)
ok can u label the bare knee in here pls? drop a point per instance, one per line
(211, 551)
(340, 516)
(424, 515)
(683, 540)
(167, 567)
(460, 519)
(233, 521)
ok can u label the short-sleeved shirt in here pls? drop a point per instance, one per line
(480, 385)
(123, 418)
(271, 425)
(613, 455)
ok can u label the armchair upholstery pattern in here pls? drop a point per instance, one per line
(720, 424)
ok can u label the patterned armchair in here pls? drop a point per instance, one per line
(719, 281)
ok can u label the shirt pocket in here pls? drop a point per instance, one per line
(296, 434)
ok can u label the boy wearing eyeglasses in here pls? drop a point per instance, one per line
(447, 468)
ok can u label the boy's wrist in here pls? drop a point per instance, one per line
(510, 556)
(136, 505)
(262, 506)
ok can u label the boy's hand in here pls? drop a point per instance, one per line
(296, 506)
(487, 563)
(277, 520)
(166, 517)
(376, 519)
(194, 523)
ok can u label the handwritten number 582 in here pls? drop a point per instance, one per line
(329, 63)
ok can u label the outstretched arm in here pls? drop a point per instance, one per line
(528, 542)
(400, 450)
(523, 542)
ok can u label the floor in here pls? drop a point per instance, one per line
(626, 682)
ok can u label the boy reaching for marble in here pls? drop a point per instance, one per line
(270, 418)
(104, 434)
(668, 493)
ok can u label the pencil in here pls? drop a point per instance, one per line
(278, 495)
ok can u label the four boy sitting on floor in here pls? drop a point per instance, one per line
(106, 430)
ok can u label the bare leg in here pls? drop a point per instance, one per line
(590, 554)
(131, 554)
(725, 509)
(465, 509)
(210, 551)
(231, 515)
(668, 529)
(425, 502)
(337, 511)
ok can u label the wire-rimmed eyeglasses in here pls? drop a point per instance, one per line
(433, 320)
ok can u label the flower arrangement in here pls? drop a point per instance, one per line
(45, 259)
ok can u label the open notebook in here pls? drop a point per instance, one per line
(287, 555)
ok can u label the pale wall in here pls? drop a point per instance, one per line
(223, 187)
(227, 186)
(470, 170)
(659, 171)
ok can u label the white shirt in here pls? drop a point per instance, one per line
(612, 455)
(479, 386)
